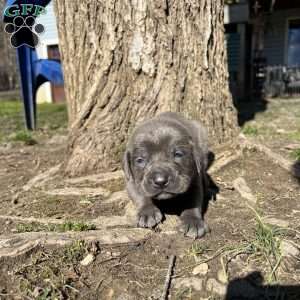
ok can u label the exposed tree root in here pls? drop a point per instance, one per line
(102, 177)
(18, 244)
(82, 191)
(41, 178)
(32, 220)
(241, 186)
(101, 222)
(223, 160)
(289, 166)
(116, 197)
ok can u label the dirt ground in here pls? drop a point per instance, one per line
(75, 239)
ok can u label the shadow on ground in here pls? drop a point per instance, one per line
(248, 108)
(251, 287)
(296, 171)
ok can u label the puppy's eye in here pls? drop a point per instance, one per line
(178, 154)
(140, 161)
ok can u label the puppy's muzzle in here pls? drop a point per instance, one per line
(160, 180)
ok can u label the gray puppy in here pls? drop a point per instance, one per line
(165, 166)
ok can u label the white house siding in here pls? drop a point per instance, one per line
(276, 35)
(49, 37)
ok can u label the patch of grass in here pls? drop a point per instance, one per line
(44, 277)
(263, 246)
(75, 226)
(266, 237)
(23, 136)
(31, 227)
(67, 226)
(296, 154)
(11, 118)
(50, 117)
(267, 244)
(46, 293)
(250, 130)
(74, 252)
(197, 249)
(294, 136)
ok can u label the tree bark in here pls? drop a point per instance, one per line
(128, 60)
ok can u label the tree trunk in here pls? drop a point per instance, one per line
(127, 60)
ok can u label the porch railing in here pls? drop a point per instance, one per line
(281, 81)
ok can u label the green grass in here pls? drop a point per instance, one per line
(250, 130)
(67, 226)
(50, 118)
(75, 226)
(23, 136)
(45, 272)
(294, 136)
(267, 243)
(74, 252)
(263, 246)
(197, 249)
(296, 154)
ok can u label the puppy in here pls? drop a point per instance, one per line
(165, 166)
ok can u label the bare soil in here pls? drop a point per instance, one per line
(238, 267)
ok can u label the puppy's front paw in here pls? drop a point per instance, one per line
(193, 227)
(149, 216)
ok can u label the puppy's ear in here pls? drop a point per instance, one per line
(200, 159)
(126, 166)
(198, 136)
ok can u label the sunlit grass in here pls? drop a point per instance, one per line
(50, 118)
(67, 226)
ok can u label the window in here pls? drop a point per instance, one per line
(293, 47)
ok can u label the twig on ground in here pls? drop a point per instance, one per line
(168, 278)
(137, 283)
(145, 267)
(216, 254)
(72, 288)
(99, 284)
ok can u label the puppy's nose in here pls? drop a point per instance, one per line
(160, 180)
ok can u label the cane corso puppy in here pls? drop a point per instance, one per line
(165, 166)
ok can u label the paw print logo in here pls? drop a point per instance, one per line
(24, 31)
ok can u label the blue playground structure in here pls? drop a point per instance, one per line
(33, 71)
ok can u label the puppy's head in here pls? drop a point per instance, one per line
(160, 158)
